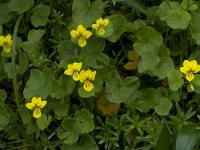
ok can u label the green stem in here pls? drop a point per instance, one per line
(15, 84)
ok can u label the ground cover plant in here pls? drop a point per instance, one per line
(99, 74)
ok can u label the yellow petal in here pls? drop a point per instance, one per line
(130, 65)
(1, 40)
(30, 106)
(34, 100)
(7, 48)
(87, 34)
(37, 113)
(88, 86)
(95, 26)
(76, 76)
(82, 77)
(69, 72)
(92, 75)
(187, 64)
(133, 55)
(184, 70)
(99, 21)
(74, 33)
(101, 31)
(8, 37)
(82, 42)
(105, 22)
(80, 29)
(77, 66)
(189, 76)
(197, 69)
(42, 104)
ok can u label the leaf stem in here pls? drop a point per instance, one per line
(15, 84)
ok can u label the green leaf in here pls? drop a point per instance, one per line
(71, 130)
(137, 4)
(62, 87)
(175, 80)
(119, 26)
(3, 95)
(187, 138)
(148, 62)
(85, 94)
(4, 13)
(195, 30)
(178, 18)
(148, 40)
(39, 84)
(164, 139)
(118, 90)
(25, 115)
(86, 120)
(93, 57)
(23, 62)
(163, 107)
(164, 66)
(86, 142)
(145, 101)
(196, 79)
(40, 15)
(4, 117)
(20, 6)
(43, 122)
(60, 109)
(9, 69)
(165, 7)
(83, 12)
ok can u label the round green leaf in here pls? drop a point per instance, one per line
(86, 120)
(40, 15)
(43, 122)
(164, 107)
(178, 18)
(20, 6)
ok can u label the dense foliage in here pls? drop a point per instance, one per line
(99, 74)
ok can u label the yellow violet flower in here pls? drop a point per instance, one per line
(36, 104)
(100, 24)
(86, 77)
(6, 43)
(82, 34)
(73, 69)
(189, 68)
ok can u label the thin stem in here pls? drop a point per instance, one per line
(15, 84)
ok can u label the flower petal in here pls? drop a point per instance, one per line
(88, 86)
(101, 31)
(37, 113)
(30, 106)
(105, 22)
(74, 33)
(82, 42)
(1, 40)
(190, 76)
(77, 66)
(80, 29)
(42, 104)
(95, 26)
(184, 70)
(76, 76)
(87, 34)
(7, 48)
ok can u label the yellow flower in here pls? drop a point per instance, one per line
(190, 67)
(100, 23)
(36, 104)
(86, 77)
(6, 43)
(73, 69)
(82, 34)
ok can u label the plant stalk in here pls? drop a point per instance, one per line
(14, 75)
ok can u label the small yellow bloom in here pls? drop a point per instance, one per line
(6, 43)
(190, 67)
(86, 77)
(82, 34)
(100, 23)
(73, 69)
(36, 104)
